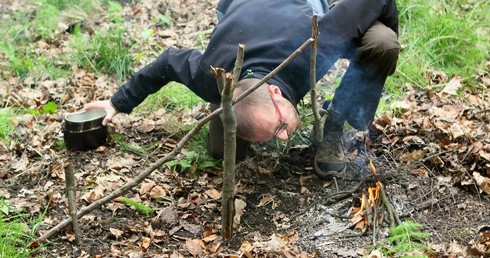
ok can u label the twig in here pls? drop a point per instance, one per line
(318, 125)
(138, 179)
(392, 215)
(332, 198)
(71, 198)
(229, 136)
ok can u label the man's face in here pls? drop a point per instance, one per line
(279, 121)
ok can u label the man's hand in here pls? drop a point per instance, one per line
(106, 106)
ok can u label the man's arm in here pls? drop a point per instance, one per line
(172, 65)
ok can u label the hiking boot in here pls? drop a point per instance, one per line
(330, 160)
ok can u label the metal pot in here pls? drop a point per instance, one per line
(84, 130)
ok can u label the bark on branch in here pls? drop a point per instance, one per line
(318, 124)
(229, 135)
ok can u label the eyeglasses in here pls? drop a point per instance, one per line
(281, 125)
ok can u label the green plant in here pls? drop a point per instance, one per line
(115, 12)
(407, 240)
(19, 62)
(139, 207)
(124, 146)
(85, 5)
(59, 145)
(164, 19)
(172, 97)
(46, 21)
(7, 126)
(50, 108)
(17, 232)
(103, 52)
(451, 36)
(192, 161)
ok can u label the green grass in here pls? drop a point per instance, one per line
(105, 51)
(450, 36)
(45, 22)
(173, 96)
(17, 232)
(7, 126)
(87, 6)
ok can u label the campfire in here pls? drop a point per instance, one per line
(368, 214)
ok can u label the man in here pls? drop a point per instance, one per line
(364, 31)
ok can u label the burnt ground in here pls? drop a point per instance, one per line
(285, 209)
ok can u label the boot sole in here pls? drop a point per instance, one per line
(329, 174)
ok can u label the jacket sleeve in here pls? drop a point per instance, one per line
(389, 16)
(172, 65)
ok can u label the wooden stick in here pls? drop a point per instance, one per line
(393, 217)
(71, 198)
(318, 125)
(229, 160)
(229, 136)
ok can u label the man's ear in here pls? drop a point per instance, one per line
(275, 89)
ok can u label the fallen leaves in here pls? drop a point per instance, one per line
(482, 182)
(440, 131)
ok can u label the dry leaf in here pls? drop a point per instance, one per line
(146, 187)
(147, 126)
(213, 194)
(482, 182)
(246, 247)
(266, 198)
(210, 238)
(116, 232)
(145, 242)
(452, 87)
(239, 208)
(194, 246)
(158, 192)
(422, 172)
(276, 243)
(168, 215)
(375, 254)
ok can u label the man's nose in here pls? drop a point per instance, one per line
(282, 135)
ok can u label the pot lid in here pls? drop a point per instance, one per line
(85, 115)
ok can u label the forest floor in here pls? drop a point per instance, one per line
(432, 158)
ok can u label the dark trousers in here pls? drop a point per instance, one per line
(372, 59)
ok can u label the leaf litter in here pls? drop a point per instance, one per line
(434, 145)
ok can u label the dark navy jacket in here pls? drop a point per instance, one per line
(270, 30)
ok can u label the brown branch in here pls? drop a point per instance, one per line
(71, 199)
(138, 179)
(237, 70)
(318, 125)
(229, 136)
(229, 160)
(392, 215)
